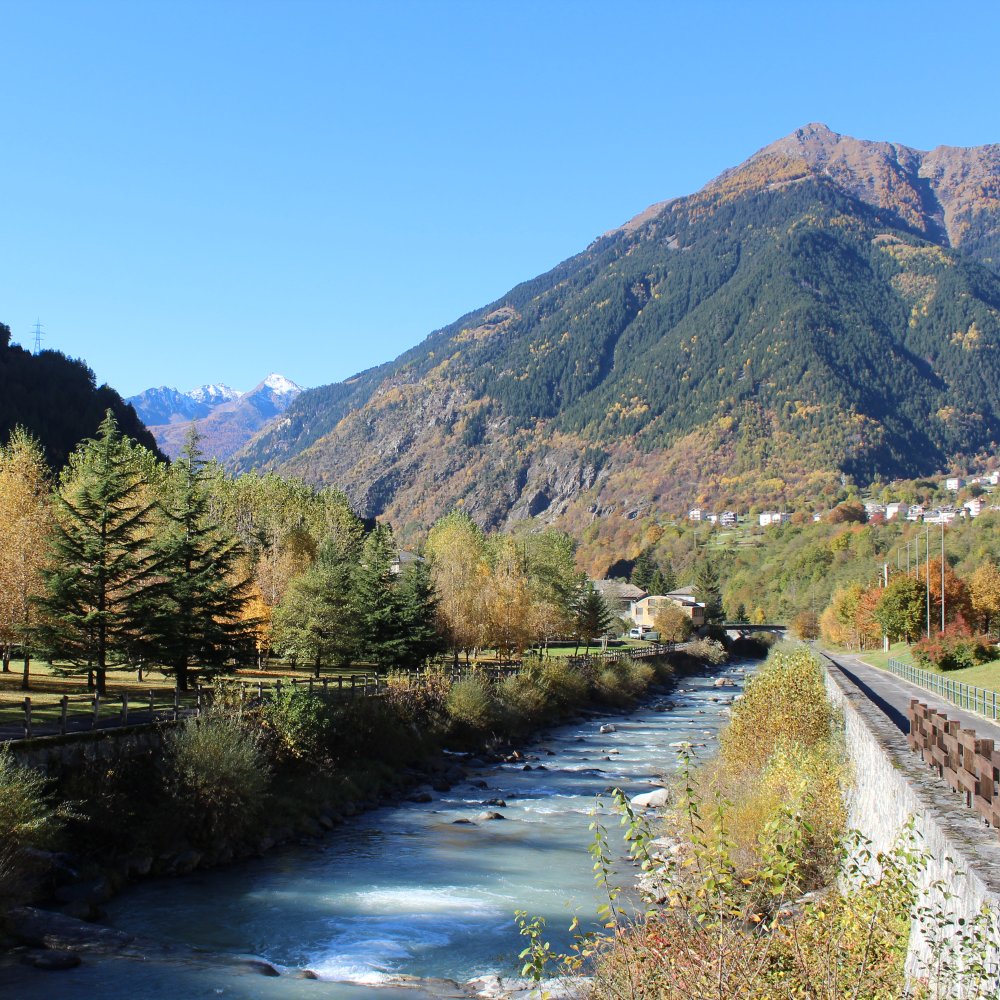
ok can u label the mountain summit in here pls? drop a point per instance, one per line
(225, 417)
(829, 307)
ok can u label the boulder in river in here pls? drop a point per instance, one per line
(608, 728)
(655, 799)
(52, 960)
(486, 816)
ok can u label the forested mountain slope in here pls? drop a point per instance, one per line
(58, 400)
(831, 306)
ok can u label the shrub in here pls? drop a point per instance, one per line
(28, 821)
(709, 651)
(522, 700)
(217, 777)
(471, 707)
(563, 685)
(784, 701)
(298, 724)
(953, 649)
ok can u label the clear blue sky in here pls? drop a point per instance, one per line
(209, 191)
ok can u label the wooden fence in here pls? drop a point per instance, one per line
(84, 713)
(970, 765)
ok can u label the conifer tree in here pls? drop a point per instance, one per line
(375, 599)
(592, 615)
(100, 566)
(194, 609)
(417, 614)
(316, 620)
(708, 591)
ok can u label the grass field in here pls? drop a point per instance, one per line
(983, 675)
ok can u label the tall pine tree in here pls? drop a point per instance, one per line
(194, 609)
(375, 599)
(100, 566)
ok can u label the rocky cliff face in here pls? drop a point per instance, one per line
(829, 307)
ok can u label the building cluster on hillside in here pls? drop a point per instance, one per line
(923, 513)
(628, 601)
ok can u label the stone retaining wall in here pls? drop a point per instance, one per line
(891, 785)
(57, 756)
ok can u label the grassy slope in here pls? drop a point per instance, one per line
(984, 675)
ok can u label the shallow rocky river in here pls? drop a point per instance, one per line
(408, 890)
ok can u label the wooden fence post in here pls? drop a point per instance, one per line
(27, 718)
(152, 707)
(177, 704)
(124, 708)
(97, 711)
(63, 706)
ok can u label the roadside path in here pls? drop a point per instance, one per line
(892, 695)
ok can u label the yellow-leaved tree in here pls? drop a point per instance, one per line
(25, 525)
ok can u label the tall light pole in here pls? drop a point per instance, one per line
(942, 576)
(927, 574)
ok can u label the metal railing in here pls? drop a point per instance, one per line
(974, 699)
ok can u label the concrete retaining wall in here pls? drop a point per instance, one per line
(891, 785)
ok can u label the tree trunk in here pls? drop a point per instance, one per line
(25, 684)
(182, 677)
(6, 659)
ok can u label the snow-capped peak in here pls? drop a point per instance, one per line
(280, 385)
(216, 393)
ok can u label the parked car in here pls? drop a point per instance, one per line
(644, 632)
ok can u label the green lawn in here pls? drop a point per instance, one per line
(983, 675)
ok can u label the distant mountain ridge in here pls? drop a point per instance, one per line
(829, 307)
(226, 418)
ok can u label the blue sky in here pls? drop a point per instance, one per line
(209, 191)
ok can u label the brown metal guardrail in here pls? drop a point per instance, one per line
(970, 765)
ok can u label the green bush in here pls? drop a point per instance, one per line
(471, 707)
(298, 723)
(217, 778)
(28, 820)
(522, 700)
(563, 685)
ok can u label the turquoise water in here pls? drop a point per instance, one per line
(405, 891)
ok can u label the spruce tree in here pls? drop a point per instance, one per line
(708, 591)
(375, 600)
(592, 615)
(417, 614)
(100, 566)
(194, 608)
(316, 620)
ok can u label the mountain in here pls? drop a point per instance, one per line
(167, 406)
(829, 308)
(226, 419)
(58, 400)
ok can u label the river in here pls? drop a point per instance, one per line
(404, 890)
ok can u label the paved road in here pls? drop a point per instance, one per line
(892, 695)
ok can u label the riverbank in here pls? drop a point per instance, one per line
(307, 799)
(425, 888)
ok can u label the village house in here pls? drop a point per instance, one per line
(975, 506)
(772, 517)
(728, 518)
(694, 514)
(954, 483)
(892, 510)
(618, 595)
(645, 610)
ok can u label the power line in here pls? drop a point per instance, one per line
(38, 337)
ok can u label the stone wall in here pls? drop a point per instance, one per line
(893, 785)
(57, 756)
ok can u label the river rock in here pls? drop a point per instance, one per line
(652, 800)
(186, 862)
(441, 785)
(261, 967)
(94, 891)
(486, 816)
(499, 803)
(479, 784)
(723, 682)
(608, 728)
(56, 931)
(527, 767)
(420, 797)
(52, 960)
(306, 974)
